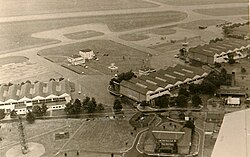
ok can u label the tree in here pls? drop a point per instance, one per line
(84, 102)
(190, 124)
(94, 101)
(144, 104)
(243, 70)
(196, 100)
(13, 114)
(207, 87)
(181, 101)
(2, 113)
(37, 110)
(194, 88)
(162, 101)
(44, 109)
(183, 91)
(68, 108)
(100, 107)
(30, 117)
(231, 59)
(117, 105)
(217, 65)
(91, 107)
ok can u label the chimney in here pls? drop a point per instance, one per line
(233, 81)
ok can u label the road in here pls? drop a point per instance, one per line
(133, 152)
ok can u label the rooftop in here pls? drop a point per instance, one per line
(162, 78)
(219, 47)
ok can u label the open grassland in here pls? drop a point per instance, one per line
(40, 132)
(27, 7)
(162, 31)
(132, 60)
(223, 11)
(196, 24)
(142, 35)
(102, 135)
(134, 37)
(199, 2)
(18, 34)
(83, 34)
(13, 59)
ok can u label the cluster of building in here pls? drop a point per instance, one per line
(81, 58)
(159, 83)
(218, 52)
(21, 97)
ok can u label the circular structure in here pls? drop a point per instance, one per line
(34, 150)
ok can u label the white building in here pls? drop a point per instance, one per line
(21, 97)
(233, 102)
(76, 60)
(87, 54)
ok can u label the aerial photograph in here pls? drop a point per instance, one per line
(124, 78)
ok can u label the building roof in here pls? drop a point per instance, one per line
(75, 56)
(234, 135)
(233, 101)
(86, 50)
(220, 46)
(3, 92)
(134, 87)
(26, 91)
(39, 90)
(167, 135)
(163, 79)
(228, 90)
(13, 92)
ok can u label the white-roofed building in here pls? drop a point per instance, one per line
(19, 97)
(233, 102)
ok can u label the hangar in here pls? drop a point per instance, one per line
(159, 83)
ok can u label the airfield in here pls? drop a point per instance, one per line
(35, 43)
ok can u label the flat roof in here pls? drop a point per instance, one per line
(234, 136)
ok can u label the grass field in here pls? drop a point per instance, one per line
(134, 37)
(142, 35)
(223, 11)
(83, 34)
(42, 131)
(199, 2)
(26, 7)
(132, 58)
(14, 59)
(102, 135)
(162, 31)
(18, 34)
(196, 24)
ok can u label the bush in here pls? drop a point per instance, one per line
(2, 114)
(30, 117)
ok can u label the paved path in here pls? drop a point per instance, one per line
(133, 152)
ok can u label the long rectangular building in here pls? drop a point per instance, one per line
(19, 97)
(218, 52)
(156, 84)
